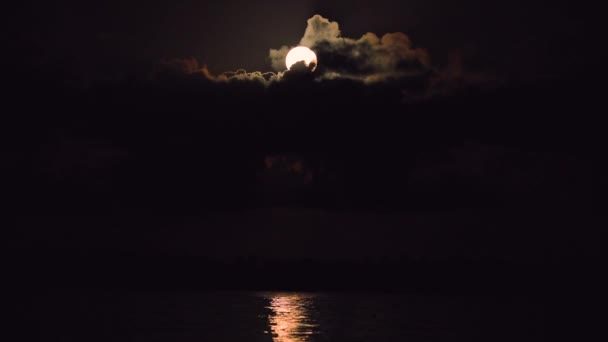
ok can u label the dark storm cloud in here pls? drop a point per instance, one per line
(369, 58)
(187, 140)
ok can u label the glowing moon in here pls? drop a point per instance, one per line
(299, 54)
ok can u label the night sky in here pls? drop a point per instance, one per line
(430, 129)
(510, 39)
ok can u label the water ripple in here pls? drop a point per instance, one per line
(290, 316)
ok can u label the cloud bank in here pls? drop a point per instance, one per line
(388, 60)
(369, 58)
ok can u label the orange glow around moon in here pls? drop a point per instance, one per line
(299, 54)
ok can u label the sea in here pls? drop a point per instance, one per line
(277, 316)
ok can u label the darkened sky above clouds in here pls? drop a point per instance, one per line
(515, 39)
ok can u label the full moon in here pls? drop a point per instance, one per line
(299, 54)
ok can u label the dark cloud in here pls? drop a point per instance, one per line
(188, 132)
(344, 151)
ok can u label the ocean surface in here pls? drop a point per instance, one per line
(278, 317)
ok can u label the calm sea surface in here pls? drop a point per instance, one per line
(280, 317)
